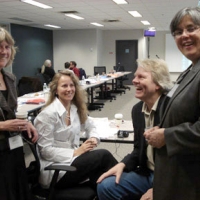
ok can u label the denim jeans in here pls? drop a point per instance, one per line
(131, 186)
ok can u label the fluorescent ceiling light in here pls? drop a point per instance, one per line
(135, 13)
(152, 29)
(96, 24)
(120, 1)
(52, 26)
(35, 3)
(145, 22)
(74, 16)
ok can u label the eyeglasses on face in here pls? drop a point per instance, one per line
(189, 30)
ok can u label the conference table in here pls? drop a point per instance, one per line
(101, 81)
(109, 125)
(34, 108)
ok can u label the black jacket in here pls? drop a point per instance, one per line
(137, 160)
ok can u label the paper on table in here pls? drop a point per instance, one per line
(103, 127)
(35, 101)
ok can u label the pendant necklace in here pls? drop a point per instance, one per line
(68, 117)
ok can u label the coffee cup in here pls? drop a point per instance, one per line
(21, 115)
(118, 119)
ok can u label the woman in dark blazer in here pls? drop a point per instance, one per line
(134, 174)
(177, 141)
(13, 181)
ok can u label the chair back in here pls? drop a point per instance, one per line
(119, 68)
(99, 70)
(82, 73)
(29, 84)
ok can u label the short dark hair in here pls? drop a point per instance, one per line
(67, 64)
(73, 63)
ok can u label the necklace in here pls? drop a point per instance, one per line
(68, 117)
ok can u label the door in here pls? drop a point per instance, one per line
(126, 55)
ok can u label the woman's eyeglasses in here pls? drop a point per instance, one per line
(189, 30)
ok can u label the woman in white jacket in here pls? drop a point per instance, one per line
(59, 125)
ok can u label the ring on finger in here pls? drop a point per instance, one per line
(19, 128)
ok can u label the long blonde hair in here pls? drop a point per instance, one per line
(79, 99)
(47, 63)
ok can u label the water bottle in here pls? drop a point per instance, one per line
(44, 88)
(83, 79)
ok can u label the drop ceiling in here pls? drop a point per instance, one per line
(158, 12)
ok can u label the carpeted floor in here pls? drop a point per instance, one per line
(123, 104)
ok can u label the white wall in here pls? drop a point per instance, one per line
(78, 45)
(97, 47)
(110, 38)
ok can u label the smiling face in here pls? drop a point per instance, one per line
(5, 54)
(145, 89)
(65, 90)
(189, 43)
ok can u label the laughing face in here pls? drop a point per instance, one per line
(5, 54)
(65, 90)
(189, 42)
(145, 88)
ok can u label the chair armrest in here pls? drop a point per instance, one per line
(57, 167)
(60, 167)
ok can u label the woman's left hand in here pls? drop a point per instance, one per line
(32, 132)
(93, 141)
(155, 137)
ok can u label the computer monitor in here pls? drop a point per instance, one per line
(149, 33)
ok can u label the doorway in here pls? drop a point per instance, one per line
(126, 55)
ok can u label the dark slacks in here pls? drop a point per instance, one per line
(13, 180)
(89, 165)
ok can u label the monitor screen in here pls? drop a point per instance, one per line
(148, 33)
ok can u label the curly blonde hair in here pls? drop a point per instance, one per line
(6, 36)
(80, 96)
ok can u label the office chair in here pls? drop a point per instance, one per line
(123, 78)
(82, 191)
(99, 70)
(29, 84)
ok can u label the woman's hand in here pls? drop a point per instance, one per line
(155, 137)
(18, 125)
(88, 145)
(14, 125)
(93, 140)
(116, 171)
(32, 132)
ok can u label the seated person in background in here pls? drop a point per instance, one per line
(47, 71)
(59, 125)
(67, 65)
(74, 68)
(133, 176)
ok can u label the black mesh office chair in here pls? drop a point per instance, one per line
(80, 192)
(121, 79)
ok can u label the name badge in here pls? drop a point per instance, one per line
(171, 92)
(15, 142)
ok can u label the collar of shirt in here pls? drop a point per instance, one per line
(61, 109)
(145, 108)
